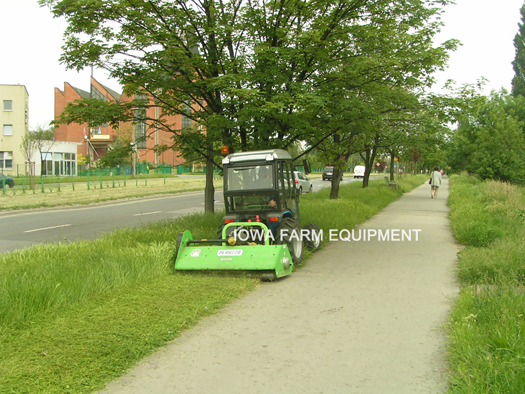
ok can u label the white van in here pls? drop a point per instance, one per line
(359, 171)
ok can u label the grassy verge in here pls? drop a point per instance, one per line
(99, 190)
(15, 199)
(73, 317)
(487, 325)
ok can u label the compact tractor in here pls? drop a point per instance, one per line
(261, 231)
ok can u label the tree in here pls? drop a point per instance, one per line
(40, 140)
(518, 82)
(379, 84)
(117, 154)
(490, 139)
(29, 147)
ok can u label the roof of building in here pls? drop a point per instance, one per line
(81, 92)
(115, 95)
(15, 85)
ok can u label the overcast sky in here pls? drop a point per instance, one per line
(32, 40)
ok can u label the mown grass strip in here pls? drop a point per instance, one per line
(487, 324)
(88, 344)
(118, 300)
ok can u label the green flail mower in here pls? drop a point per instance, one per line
(261, 231)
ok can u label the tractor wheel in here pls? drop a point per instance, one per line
(230, 231)
(219, 232)
(314, 234)
(291, 237)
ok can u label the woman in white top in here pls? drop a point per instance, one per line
(435, 182)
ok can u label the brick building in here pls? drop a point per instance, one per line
(95, 141)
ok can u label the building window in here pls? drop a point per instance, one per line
(97, 94)
(186, 122)
(69, 163)
(8, 105)
(140, 127)
(47, 164)
(8, 129)
(6, 160)
(59, 163)
(140, 130)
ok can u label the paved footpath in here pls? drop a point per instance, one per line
(360, 317)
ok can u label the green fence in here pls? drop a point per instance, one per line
(198, 170)
(126, 170)
(182, 169)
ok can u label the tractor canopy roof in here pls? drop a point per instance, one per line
(261, 155)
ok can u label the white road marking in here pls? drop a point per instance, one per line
(147, 213)
(46, 228)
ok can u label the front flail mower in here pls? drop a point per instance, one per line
(233, 254)
(262, 202)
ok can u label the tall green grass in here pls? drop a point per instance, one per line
(487, 325)
(489, 218)
(74, 316)
(487, 348)
(494, 211)
(46, 278)
(49, 277)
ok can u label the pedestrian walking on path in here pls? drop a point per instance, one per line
(362, 316)
(435, 182)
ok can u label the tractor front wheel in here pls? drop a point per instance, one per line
(289, 234)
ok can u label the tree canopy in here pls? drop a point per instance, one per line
(257, 74)
(490, 139)
(518, 82)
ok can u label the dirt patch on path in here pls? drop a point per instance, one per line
(361, 317)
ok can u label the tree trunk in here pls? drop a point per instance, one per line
(370, 156)
(338, 171)
(392, 162)
(336, 179)
(209, 190)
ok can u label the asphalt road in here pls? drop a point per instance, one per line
(19, 230)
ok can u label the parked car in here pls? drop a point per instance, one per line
(328, 173)
(359, 171)
(7, 180)
(303, 183)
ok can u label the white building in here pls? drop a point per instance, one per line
(14, 113)
(58, 157)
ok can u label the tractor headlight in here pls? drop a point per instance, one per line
(286, 262)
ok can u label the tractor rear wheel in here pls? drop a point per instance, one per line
(313, 241)
(289, 234)
(231, 230)
(219, 232)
